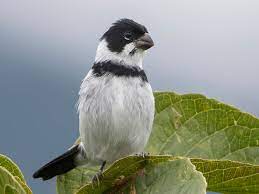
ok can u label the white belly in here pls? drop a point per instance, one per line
(115, 117)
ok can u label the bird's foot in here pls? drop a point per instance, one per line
(143, 154)
(97, 177)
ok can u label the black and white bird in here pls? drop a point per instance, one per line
(116, 103)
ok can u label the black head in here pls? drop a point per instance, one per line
(126, 31)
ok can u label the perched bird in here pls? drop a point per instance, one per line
(116, 103)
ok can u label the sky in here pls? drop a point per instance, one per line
(46, 48)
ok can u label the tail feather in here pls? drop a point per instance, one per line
(60, 165)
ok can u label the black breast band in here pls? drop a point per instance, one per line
(99, 69)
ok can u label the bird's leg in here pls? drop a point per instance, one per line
(143, 154)
(99, 175)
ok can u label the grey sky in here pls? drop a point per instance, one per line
(46, 48)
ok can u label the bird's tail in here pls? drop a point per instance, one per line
(61, 164)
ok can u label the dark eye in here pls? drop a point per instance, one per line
(127, 36)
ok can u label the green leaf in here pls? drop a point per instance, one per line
(9, 165)
(194, 126)
(150, 175)
(229, 177)
(6, 178)
(223, 176)
(15, 173)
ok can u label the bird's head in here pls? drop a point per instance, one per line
(125, 42)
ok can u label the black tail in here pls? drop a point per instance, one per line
(60, 165)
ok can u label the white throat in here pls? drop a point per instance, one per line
(104, 54)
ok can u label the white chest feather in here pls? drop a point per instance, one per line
(115, 115)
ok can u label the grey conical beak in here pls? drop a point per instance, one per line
(144, 42)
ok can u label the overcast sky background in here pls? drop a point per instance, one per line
(47, 47)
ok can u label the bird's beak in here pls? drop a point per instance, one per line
(144, 42)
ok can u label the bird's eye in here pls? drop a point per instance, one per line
(127, 36)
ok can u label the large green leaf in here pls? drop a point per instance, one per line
(194, 126)
(222, 176)
(150, 175)
(6, 178)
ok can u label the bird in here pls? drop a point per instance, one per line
(116, 103)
